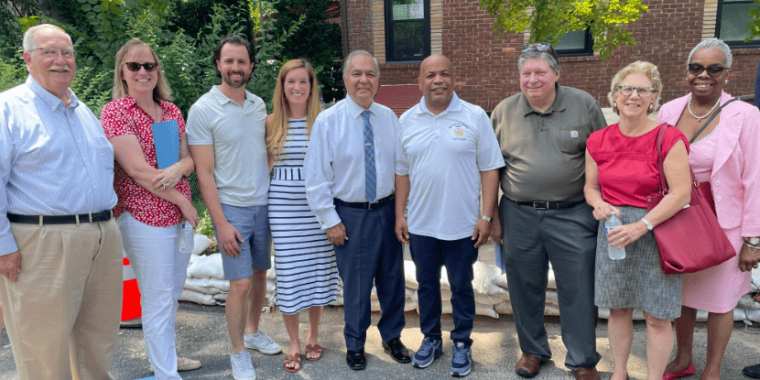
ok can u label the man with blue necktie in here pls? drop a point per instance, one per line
(350, 190)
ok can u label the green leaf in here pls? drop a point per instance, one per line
(86, 7)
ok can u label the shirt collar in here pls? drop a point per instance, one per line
(51, 100)
(454, 106)
(223, 99)
(355, 110)
(558, 105)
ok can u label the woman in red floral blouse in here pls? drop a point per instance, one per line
(152, 202)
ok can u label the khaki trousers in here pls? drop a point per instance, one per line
(62, 315)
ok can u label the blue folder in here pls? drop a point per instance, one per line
(166, 140)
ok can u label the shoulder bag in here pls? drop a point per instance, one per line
(692, 239)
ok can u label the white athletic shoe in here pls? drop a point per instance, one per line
(242, 368)
(261, 343)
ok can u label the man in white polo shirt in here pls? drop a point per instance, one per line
(446, 150)
(225, 131)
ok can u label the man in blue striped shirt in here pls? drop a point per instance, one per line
(60, 249)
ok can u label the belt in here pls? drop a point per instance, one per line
(365, 205)
(549, 205)
(92, 217)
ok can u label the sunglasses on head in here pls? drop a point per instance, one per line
(543, 47)
(134, 66)
(713, 71)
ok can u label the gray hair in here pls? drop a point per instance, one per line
(717, 44)
(30, 44)
(538, 54)
(347, 62)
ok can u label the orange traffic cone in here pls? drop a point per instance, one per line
(130, 307)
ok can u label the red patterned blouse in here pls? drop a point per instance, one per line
(124, 117)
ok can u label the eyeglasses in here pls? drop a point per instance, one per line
(134, 66)
(48, 52)
(628, 90)
(713, 71)
(543, 47)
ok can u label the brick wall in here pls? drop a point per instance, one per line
(486, 66)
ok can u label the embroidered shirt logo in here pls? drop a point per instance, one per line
(457, 131)
(574, 134)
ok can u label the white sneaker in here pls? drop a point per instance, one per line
(242, 368)
(262, 343)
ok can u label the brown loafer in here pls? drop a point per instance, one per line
(528, 365)
(587, 373)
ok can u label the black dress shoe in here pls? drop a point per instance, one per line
(752, 371)
(356, 360)
(396, 349)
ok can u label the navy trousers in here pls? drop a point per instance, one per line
(566, 238)
(429, 255)
(372, 255)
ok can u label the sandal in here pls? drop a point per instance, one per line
(313, 348)
(290, 359)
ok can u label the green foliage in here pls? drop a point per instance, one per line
(12, 74)
(754, 25)
(317, 40)
(93, 86)
(190, 16)
(550, 19)
(205, 226)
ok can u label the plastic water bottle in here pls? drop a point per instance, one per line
(615, 253)
(187, 239)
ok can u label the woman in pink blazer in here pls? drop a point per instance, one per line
(726, 154)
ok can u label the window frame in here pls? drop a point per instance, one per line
(389, 51)
(587, 50)
(733, 44)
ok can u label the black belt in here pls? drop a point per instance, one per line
(92, 217)
(365, 205)
(548, 205)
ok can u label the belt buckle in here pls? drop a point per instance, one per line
(542, 205)
(369, 205)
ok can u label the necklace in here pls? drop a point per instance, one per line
(699, 118)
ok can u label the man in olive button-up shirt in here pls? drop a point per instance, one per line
(542, 216)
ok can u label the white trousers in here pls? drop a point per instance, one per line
(161, 270)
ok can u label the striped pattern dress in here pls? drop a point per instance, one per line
(307, 274)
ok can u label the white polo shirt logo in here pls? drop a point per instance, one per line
(457, 131)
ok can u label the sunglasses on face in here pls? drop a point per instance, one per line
(134, 66)
(543, 47)
(628, 90)
(713, 71)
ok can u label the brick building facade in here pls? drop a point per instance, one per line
(486, 65)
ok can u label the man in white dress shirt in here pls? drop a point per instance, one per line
(350, 190)
(446, 149)
(60, 248)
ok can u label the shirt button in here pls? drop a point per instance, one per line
(94, 187)
(718, 198)
(717, 183)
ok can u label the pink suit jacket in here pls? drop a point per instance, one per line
(735, 178)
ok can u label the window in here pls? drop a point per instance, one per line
(574, 44)
(407, 24)
(733, 18)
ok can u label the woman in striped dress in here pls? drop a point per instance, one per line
(307, 276)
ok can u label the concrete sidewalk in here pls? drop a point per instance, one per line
(202, 335)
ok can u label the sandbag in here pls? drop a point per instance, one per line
(200, 285)
(191, 296)
(200, 243)
(410, 275)
(206, 266)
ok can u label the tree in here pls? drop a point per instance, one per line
(549, 19)
(10, 30)
(754, 25)
(317, 40)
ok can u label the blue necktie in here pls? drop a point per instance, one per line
(370, 173)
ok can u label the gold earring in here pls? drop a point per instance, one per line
(651, 107)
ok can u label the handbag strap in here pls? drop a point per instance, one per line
(661, 161)
(709, 120)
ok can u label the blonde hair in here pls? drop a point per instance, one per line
(161, 93)
(281, 107)
(638, 67)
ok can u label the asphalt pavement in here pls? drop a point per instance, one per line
(202, 335)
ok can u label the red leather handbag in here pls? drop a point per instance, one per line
(692, 239)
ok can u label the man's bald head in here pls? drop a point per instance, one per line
(436, 82)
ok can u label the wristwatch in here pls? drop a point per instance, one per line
(752, 241)
(649, 224)
(486, 218)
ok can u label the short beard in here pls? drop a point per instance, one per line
(232, 84)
